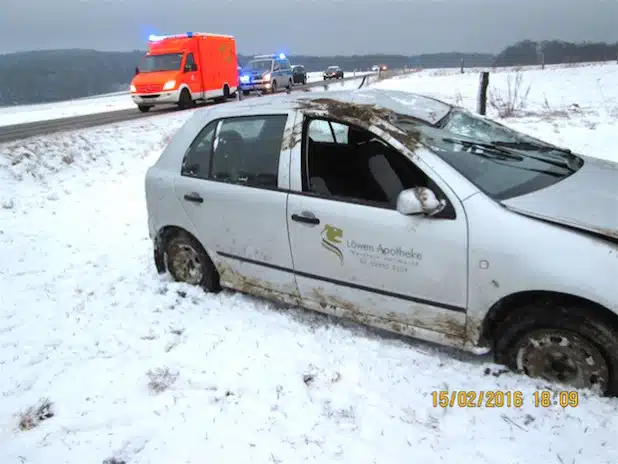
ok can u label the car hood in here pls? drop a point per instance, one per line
(587, 200)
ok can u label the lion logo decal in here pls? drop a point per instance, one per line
(331, 237)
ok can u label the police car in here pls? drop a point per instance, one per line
(267, 73)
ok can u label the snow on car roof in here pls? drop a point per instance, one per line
(410, 104)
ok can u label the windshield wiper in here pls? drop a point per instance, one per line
(571, 163)
(499, 152)
(525, 145)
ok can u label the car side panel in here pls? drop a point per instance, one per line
(511, 253)
(247, 228)
(429, 293)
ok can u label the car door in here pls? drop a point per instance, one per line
(351, 248)
(192, 76)
(235, 194)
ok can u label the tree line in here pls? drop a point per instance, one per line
(55, 75)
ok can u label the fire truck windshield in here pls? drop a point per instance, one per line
(164, 62)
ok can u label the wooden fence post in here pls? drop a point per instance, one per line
(481, 107)
(462, 66)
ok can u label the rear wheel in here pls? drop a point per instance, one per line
(144, 108)
(245, 92)
(185, 100)
(560, 342)
(304, 80)
(290, 84)
(186, 261)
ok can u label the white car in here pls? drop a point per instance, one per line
(400, 212)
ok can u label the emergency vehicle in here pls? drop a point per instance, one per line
(184, 68)
(267, 73)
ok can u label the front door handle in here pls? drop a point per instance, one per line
(306, 219)
(194, 197)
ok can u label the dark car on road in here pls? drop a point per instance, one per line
(299, 74)
(333, 72)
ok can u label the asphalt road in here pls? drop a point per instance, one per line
(31, 129)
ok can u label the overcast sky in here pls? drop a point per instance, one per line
(317, 27)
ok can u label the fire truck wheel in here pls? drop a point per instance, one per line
(144, 108)
(185, 100)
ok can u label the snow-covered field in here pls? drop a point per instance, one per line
(89, 105)
(143, 370)
(573, 106)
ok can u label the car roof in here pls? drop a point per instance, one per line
(410, 104)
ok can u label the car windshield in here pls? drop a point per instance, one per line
(332, 68)
(258, 65)
(164, 62)
(501, 162)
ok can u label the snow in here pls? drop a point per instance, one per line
(144, 370)
(90, 105)
(574, 106)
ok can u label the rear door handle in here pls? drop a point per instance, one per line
(194, 197)
(306, 219)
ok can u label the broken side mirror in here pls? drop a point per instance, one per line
(419, 200)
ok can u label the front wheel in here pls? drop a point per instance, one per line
(144, 108)
(560, 342)
(185, 100)
(273, 87)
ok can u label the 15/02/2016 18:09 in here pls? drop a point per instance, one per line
(502, 398)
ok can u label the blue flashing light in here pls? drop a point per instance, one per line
(282, 56)
(189, 34)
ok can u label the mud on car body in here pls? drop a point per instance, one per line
(401, 212)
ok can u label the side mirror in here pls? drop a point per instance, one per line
(419, 200)
(136, 70)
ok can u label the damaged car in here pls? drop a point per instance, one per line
(401, 212)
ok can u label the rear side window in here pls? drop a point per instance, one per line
(196, 162)
(246, 150)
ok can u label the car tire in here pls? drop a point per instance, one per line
(185, 101)
(305, 80)
(560, 341)
(290, 84)
(187, 261)
(245, 92)
(273, 87)
(144, 108)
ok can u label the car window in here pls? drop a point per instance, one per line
(190, 63)
(322, 131)
(362, 169)
(247, 149)
(276, 67)
(285, 64)
(196, 162)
